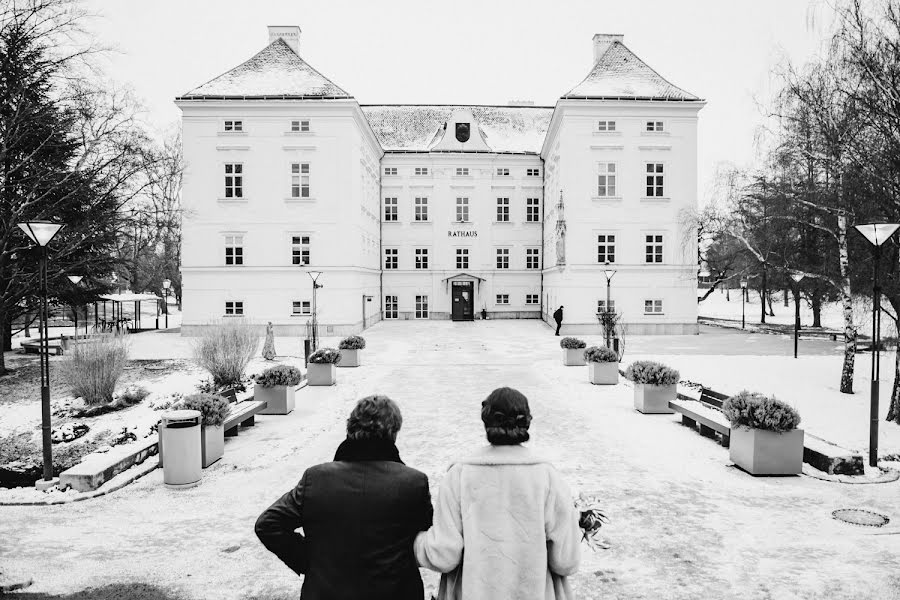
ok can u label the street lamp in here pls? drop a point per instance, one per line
(166, 285)
(796, 277)
(743, 301)
(76, 279)
(41, 232)
(314, 275)
(609, 272)
(877, 234)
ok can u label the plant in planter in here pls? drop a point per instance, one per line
(213, 412)
(654, 386)
(603, 365)
(350, 351)
(321, 369)
(764, 435)
(573, 355)
(276, 386)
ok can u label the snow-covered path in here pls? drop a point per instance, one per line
(685, 524)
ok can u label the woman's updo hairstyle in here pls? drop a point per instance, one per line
(506, 417)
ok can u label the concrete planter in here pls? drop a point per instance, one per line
(350, 358)
(573, 357)
(279, 399)
(212, 444)
(603, 373)
(653, 399)
(761, 452)
(321, 374)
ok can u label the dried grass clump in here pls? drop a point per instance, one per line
(93, 367)
(225, 350)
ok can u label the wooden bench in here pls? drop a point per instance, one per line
(35, 347)
(242, 413)
(713, 398)
(711, 421)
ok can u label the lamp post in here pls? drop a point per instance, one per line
(314, 275)
(877, 234)
(609, 272)
(76, 279)
(743, 301)
(796, 277)
(41, 232)
(365, 299)
(166, 285)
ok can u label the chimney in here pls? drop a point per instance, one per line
(602, 42)
(289, 33)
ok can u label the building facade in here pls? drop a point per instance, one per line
(437, 211)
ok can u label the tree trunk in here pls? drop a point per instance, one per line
(847, 305)
(786, 304)
(6, 335)
(728, 294)
(769, 303)
(816, 301)
(762, 298)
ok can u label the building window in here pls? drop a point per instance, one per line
(421, 307)
(503, 210)
(390, 209)
(421, 209)
(390, 258)
(234, 125)
(532, 210)
(461, 171)
(502, 258)
(421, 171)
(462, 258)
(390, 307)
(601, 306)
(531, 298)
(502, 298)
(421, 258)
(655, 126)
(654, 249)
(300, 307)
(234, 180)
(234, 308)
(299, 180)
(532, 258)
(502, 172)
(301, 126)
(606, 180)
(655, 179)
(234, 249)
(653, 307)
(462, 210)
(532, 172)
(606, 248)
(606, 126)
(390, 170)
(300, 250)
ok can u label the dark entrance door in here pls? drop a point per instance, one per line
(463, 301)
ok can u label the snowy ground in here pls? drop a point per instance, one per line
(685, 523)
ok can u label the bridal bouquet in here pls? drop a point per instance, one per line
(590, 520)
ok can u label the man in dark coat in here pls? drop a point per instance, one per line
(558, 317)
(360, 515)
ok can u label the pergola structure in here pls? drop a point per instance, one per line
(118, 320)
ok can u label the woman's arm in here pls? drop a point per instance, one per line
(275, 529)
(441, 547)
(561, 523)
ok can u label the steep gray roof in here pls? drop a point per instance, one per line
(276, 72)
(620, 74)
(412, 128)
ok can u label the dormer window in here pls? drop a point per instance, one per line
(234, 125)
(655, 126)
(301, 126)
(463, 130)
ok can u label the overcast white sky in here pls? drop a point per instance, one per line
(474, 51)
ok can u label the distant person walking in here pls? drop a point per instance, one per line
(558, 317)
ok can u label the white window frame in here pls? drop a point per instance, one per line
(300, 126)
(654, 180)
(532, 210)
(502, 210)
(462, 258)
(462, 171)
(502, 171)
(421, 256)
(532, 172)
(654, 126)
(601, 306)
(532, 299)
(391, 307)
(607, 179)
(300, 174)
(421, 306)
(301, 249)
(235, 243)
(391, 258)
(420, 171)
(462, 210)
(502, 300)
(608, 254)
(502, 258)
(606, 126)
(301, 308)
(390, 171)
(655, 305)
(420, 208)
(654, 248)
(533, 258)
(233, 126)
(236, 308)
(390, 202)
(234, 180)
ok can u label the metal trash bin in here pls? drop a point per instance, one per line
(179, 434)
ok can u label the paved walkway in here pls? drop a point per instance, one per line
(685, 524)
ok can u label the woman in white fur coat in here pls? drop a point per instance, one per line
(505, 524)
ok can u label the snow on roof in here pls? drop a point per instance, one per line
(275, 72)
(620, 74)
(412, 128)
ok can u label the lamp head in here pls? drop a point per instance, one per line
(314, 275)
(743, 283)
(877, 233)
(166, 284)
(797, 277)
(40, 232)
(608, 271)
(76, 279)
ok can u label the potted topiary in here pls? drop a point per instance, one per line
(573, 351)
(276, 386)
(350, 351)
(764, 435)
(654, 386)
(320, 370)
(213, 410)
(603, 365)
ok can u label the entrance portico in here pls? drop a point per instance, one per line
(462, 290)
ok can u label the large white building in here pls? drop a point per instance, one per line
(437, 211)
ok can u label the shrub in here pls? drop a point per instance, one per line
(279, 375)
(208, 386)
(133, 394)
(92, 368)
(570, 343)
(214, 409)
(650, 372)
(750, 409)
(353, 342)
(225, 350)
(325, 356)
(600, 354)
